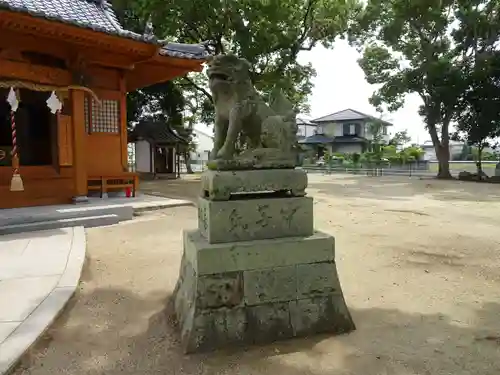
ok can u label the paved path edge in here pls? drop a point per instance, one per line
(177, 203)
(35, 325)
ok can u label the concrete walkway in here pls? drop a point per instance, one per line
(97, 212)
(40, 269)
(39, 272)
(142, 202)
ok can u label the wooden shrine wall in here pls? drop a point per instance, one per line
(81, 152)
(49, 184)
(106, 134)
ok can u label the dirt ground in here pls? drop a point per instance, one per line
(418, 260)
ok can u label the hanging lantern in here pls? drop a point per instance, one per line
(16, 183)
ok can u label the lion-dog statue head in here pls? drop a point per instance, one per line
(227, 72)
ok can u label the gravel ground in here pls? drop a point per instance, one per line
(418, 260)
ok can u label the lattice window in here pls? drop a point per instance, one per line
(104, 118)
(87, 114)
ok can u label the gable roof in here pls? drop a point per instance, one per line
(153, 131)
(197, 131)
(302, 121)
(347, 115)
(97, 15)
(90, 14)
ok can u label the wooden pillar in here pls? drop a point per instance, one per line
(179, 164)
(175, 161)
(123, 121)
(174, 152)
(150, 157)
(79, 146)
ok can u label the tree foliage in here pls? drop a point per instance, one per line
(400, 138)
(424, 47)
(268, 33)
(162, 103)
(376, 143)
(478, 118)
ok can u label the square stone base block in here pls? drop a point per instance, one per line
(220, 185)
(255, 219)
(256, 294)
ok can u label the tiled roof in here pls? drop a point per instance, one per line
(347, 115)
(184, 51)
(155, 132)
(316, 139)
(93, 14)
(324, 139)
(349, 139)
(302, 121)
(97, 15)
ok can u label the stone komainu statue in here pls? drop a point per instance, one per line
(269, 132)
(255, 271)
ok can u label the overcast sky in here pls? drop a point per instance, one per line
(340, 84)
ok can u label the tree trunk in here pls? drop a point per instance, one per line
(442, 149)
(443, 156)
(479, 164)
(187, 160)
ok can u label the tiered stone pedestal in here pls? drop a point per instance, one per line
(255, 271)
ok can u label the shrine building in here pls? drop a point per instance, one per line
(66, 67)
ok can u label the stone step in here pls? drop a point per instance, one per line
(85, 221)
(53, 214)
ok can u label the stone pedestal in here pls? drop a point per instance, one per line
(255, 271)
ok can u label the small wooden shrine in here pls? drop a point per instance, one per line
(158, 149)
(64, 77)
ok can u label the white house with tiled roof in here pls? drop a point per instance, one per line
(346, 131)
(305, 128)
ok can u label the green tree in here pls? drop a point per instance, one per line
(163, 103)
(390, 153)
(376, 142)
(478, 118)
(400, 138)
(389, 150)
(413, 153)
(478, 131)
(268, 33)
(407, 48)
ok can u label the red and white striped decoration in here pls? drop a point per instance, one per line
(14, 140)
(16, 183)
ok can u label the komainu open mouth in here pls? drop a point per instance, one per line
(218, 75)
